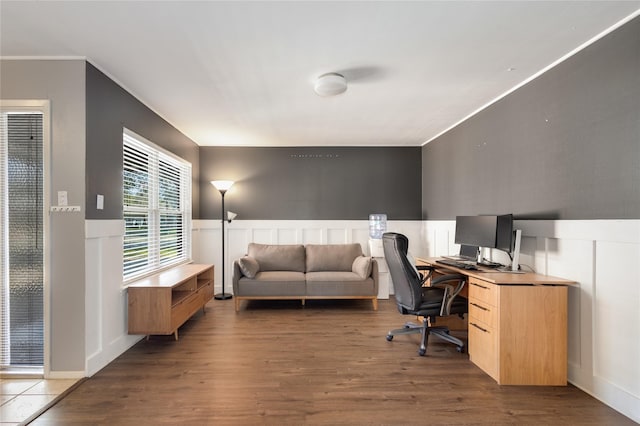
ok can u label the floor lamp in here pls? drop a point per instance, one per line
(222, 186)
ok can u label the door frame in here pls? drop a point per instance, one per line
(43, 106)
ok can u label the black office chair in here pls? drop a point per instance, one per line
(438, 299)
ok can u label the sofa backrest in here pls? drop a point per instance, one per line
(278, 257)
(331, 257)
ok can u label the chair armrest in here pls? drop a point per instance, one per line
(424, 277)
(450, 290)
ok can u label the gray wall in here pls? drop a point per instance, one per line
(312, 183)
(61, 82)
(565, 146)
(109, 109)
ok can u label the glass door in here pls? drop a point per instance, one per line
(22, 240)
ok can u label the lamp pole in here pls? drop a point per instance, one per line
(222, 186)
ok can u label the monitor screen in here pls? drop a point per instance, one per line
(504, 233)
(468, 252)
(476, 230)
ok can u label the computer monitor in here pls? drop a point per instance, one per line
(476, 230)
(468, 252)
(504, 233)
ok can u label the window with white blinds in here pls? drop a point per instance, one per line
(156, 208)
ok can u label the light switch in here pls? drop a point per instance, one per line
(62, 198)
(100, 202)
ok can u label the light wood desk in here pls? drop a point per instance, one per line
(517, 324)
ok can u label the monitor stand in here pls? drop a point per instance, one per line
(515, 264)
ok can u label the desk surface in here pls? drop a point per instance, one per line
(500, 278)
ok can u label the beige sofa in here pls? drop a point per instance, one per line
(314, 271)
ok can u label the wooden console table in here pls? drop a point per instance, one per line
(161, 303)
(517, 325)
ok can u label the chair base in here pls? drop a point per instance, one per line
(425, 330)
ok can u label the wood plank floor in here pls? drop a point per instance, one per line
(325, 364)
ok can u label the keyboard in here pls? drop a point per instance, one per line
(490, 264)
(457, 264)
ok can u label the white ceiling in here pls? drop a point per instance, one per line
(242, 73)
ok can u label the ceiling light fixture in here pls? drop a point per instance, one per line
(330, 84)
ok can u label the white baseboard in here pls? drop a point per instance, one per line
(65, 375)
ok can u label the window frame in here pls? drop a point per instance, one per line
(153, 210)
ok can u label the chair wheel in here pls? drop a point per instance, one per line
(389, 337)
(421, 352)
(460, 349)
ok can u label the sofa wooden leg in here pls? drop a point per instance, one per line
(237, 305)
(303, 300)
(375, 304)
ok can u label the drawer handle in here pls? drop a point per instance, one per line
(478, 306)
(481, 286)
(478, 327)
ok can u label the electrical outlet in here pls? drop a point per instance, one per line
(100, 202)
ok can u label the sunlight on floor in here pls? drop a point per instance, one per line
(21, 399)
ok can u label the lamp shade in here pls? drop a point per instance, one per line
(222, 185)
(330, 84)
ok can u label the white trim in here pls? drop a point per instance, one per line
(98, 360)
(5, 307)
(134, 94)
(538, 74)
(601, 256)
(622, 230)
(46, 185)
(154, 146)
(43, 58)
(136, 147)
(207, 237)
(103, 228)
(561, 248)
(65, 375)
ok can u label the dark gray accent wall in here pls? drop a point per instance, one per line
(110, 108)
(312, 183)
(564, 146)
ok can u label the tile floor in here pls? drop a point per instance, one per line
(20, 399)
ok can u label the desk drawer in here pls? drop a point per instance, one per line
(482, 347)
(206, 292)
(483, 291)
(482, 312)
(185, 309)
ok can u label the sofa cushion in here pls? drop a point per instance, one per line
(272, 284)
(278, 257)
(249, 266)
(338, 284)
(331, 257)
(362, 266)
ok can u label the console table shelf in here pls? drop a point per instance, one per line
(161, 303)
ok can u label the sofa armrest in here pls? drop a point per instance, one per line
(374, 274)
(237, 274)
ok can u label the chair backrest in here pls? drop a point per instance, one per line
(407, 283)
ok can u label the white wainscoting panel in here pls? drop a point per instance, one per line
(617, 315)
(603, 257)
(312, 236)
(105, 298)
(207, 247)
(288, 236)
(262, 236)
